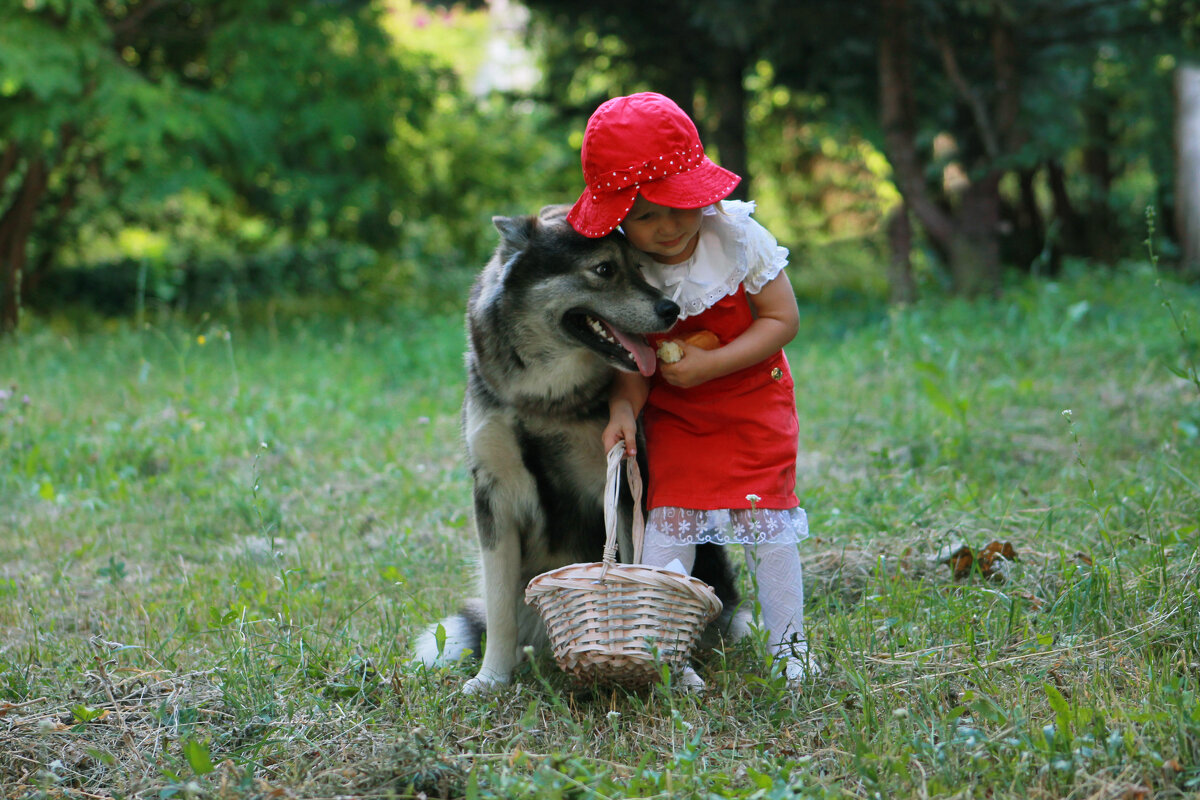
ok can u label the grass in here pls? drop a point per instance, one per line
(216, 544)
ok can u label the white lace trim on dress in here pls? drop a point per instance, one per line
(728, 526)
(733, 249)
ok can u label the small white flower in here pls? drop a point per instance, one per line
(613, 715)
(753, 498)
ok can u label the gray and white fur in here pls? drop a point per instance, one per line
(549, 319)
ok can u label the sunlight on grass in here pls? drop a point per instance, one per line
(218, 542)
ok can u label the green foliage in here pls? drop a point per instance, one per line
(220, 152)
(1090, 137)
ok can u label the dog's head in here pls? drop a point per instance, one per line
(558, 289)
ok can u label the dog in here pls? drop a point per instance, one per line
(550, 319)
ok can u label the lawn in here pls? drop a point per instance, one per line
(217, 541)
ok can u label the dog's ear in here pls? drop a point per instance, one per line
(514, 234)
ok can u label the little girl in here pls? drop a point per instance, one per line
(720, 424)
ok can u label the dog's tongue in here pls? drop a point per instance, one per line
(643, 354)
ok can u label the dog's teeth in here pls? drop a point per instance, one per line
(600, 330)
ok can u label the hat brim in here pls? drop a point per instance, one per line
(596, 215)
(696, 188)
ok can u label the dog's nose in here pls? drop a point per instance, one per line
(668, 310)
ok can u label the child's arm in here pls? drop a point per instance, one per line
(625, 400)
(776, 324)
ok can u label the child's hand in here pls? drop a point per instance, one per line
(697, 366)
(622, 426)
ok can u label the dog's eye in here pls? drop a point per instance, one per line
(605, 269)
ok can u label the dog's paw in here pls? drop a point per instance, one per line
(484, 683)
(689, 681)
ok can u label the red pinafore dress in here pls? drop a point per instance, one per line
(711, 446)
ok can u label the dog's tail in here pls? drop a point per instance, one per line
(454, 638)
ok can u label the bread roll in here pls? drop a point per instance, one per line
(669, 350)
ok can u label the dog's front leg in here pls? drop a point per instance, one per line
(502, 595)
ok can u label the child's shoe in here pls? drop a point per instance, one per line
(798, 664)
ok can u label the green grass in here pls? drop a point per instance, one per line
(215, 546)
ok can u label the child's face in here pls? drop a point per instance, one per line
(668, 235)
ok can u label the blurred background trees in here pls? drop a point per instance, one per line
(237, 154)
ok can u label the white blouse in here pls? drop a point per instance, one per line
(733, 249)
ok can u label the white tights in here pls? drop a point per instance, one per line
(779, 579)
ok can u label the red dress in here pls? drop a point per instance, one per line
(709, 446)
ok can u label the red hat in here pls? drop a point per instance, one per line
(643, 143)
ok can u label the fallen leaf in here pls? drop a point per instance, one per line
(1033, 600)
(947, 552)
(961, 562)
(957, 556)
(995, 558)
(1133, 792)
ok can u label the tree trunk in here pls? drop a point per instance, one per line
(897, 113)
(1028, 237)
(902, 288)
(974, 250)
(969, 238)
(1187, 167)
(727, 98)
(1068, 226)
(1099, 224)
(15, 226)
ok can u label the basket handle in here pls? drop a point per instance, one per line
(612, 497)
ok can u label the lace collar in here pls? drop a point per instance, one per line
(733, 248)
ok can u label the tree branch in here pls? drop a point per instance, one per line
(123, 26)
(978, 110)
(8, 162)
(1008, 85)
(897, 111)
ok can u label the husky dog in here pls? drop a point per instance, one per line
(548, 319)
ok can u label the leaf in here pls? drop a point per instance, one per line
(198, 756)
(958, 557)
(82, 713)
(761, 780)
(1177, 372)
(1077, 311)
(961, 563)
(929, 368)
(1057, 702)
(439, 636)
(995, 558)
(939, 399)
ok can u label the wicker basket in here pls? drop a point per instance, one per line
(617, 623)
